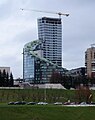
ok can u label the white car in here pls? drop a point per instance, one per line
(42, 103)
(83, 103)
(58, 103)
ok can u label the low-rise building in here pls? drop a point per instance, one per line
(77, 72)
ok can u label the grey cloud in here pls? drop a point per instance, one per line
(26, 36)
(5, 10)
(10, 7)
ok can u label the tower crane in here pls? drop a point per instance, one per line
(59, 13)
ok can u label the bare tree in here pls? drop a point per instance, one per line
(83, 94)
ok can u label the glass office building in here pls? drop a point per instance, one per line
(37, 69)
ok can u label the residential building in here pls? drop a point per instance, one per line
(90, 61)
(50, 32)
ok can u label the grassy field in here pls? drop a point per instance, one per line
(49, 112)
(41, 112)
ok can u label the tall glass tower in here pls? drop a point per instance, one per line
(50, 32)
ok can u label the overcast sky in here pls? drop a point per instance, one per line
(19, 27)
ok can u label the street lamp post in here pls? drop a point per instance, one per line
(45, 94)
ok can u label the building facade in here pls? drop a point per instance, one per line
(28, 67)
(90, 62)
(50, 32)
(29, 60)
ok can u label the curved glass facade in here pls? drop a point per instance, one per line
(37, 69)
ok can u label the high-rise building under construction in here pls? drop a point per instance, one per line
(50, 32)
